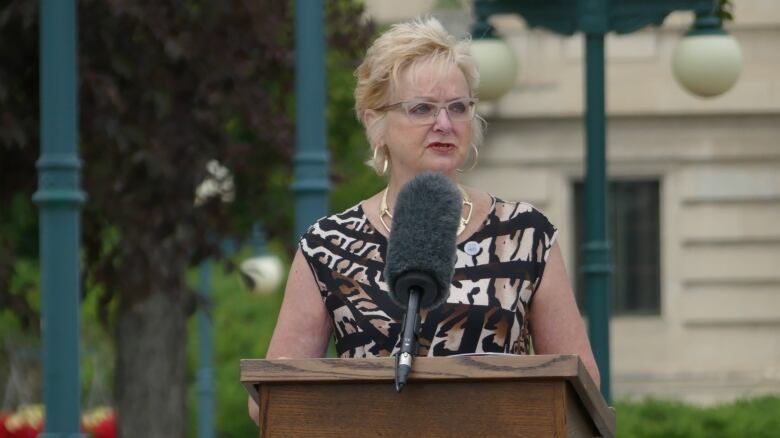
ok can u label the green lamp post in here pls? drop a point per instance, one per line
(205, 375)
(595, 18)
(310, 172)
(59, 198)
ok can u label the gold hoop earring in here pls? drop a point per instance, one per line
(384, 167)
(476, 159)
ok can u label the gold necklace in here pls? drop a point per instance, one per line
(384, 211)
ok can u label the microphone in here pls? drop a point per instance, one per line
(421, 255)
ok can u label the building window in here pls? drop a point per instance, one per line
(633, 223)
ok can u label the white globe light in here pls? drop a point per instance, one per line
(262, 274)
(707, 65)
(497, 67)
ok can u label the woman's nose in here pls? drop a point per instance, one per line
(442, 121)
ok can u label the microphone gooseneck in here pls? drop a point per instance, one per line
(421, 255)
(411, 330)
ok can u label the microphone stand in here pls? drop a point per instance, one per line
(411, 330)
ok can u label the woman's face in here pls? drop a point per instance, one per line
(441, 145)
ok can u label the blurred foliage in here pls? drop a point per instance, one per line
(725, 10)
(19, 245)
(352, 179)
(242, 326)
(164, 88)
(756, 418)
(21, 348)
(190, 85)
(450, 4)
(197, 81)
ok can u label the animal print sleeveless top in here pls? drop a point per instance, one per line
(498, 269)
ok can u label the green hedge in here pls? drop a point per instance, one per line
(755, 418)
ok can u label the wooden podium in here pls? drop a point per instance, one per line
(460, 396)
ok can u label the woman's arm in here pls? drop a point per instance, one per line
(556, 324)
(303, 327)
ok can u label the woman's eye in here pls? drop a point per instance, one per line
(457, 107)
(421, 109)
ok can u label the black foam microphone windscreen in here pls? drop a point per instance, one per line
(423, 236)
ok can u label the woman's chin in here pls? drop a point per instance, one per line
(447, 166)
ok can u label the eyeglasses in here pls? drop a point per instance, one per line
(425, 113)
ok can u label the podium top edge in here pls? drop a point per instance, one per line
(472, 366)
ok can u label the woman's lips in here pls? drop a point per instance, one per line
(441, 147)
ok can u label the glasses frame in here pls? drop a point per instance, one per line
(406, 105)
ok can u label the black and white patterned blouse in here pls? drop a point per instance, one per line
(497, 271)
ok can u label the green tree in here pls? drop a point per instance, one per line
(165, 88)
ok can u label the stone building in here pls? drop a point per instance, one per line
(695, 194)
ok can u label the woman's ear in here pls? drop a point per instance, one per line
(369, 117)
(372, 122)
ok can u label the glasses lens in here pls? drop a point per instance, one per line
(460, 110)
(421, 110)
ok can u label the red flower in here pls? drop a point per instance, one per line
(3, 431)
(100, 422)
(27, 422)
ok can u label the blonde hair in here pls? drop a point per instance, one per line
(423, 41)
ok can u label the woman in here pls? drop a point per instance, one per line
(415, 96)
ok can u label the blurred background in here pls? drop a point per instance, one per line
(187, 132)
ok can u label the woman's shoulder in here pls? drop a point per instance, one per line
(517, 211)
(349, 220)
(524, 231)
(349, 214)
(341, 236)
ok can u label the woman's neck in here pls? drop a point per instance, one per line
(396, 182)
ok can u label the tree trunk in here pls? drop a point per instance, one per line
(151, 367)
